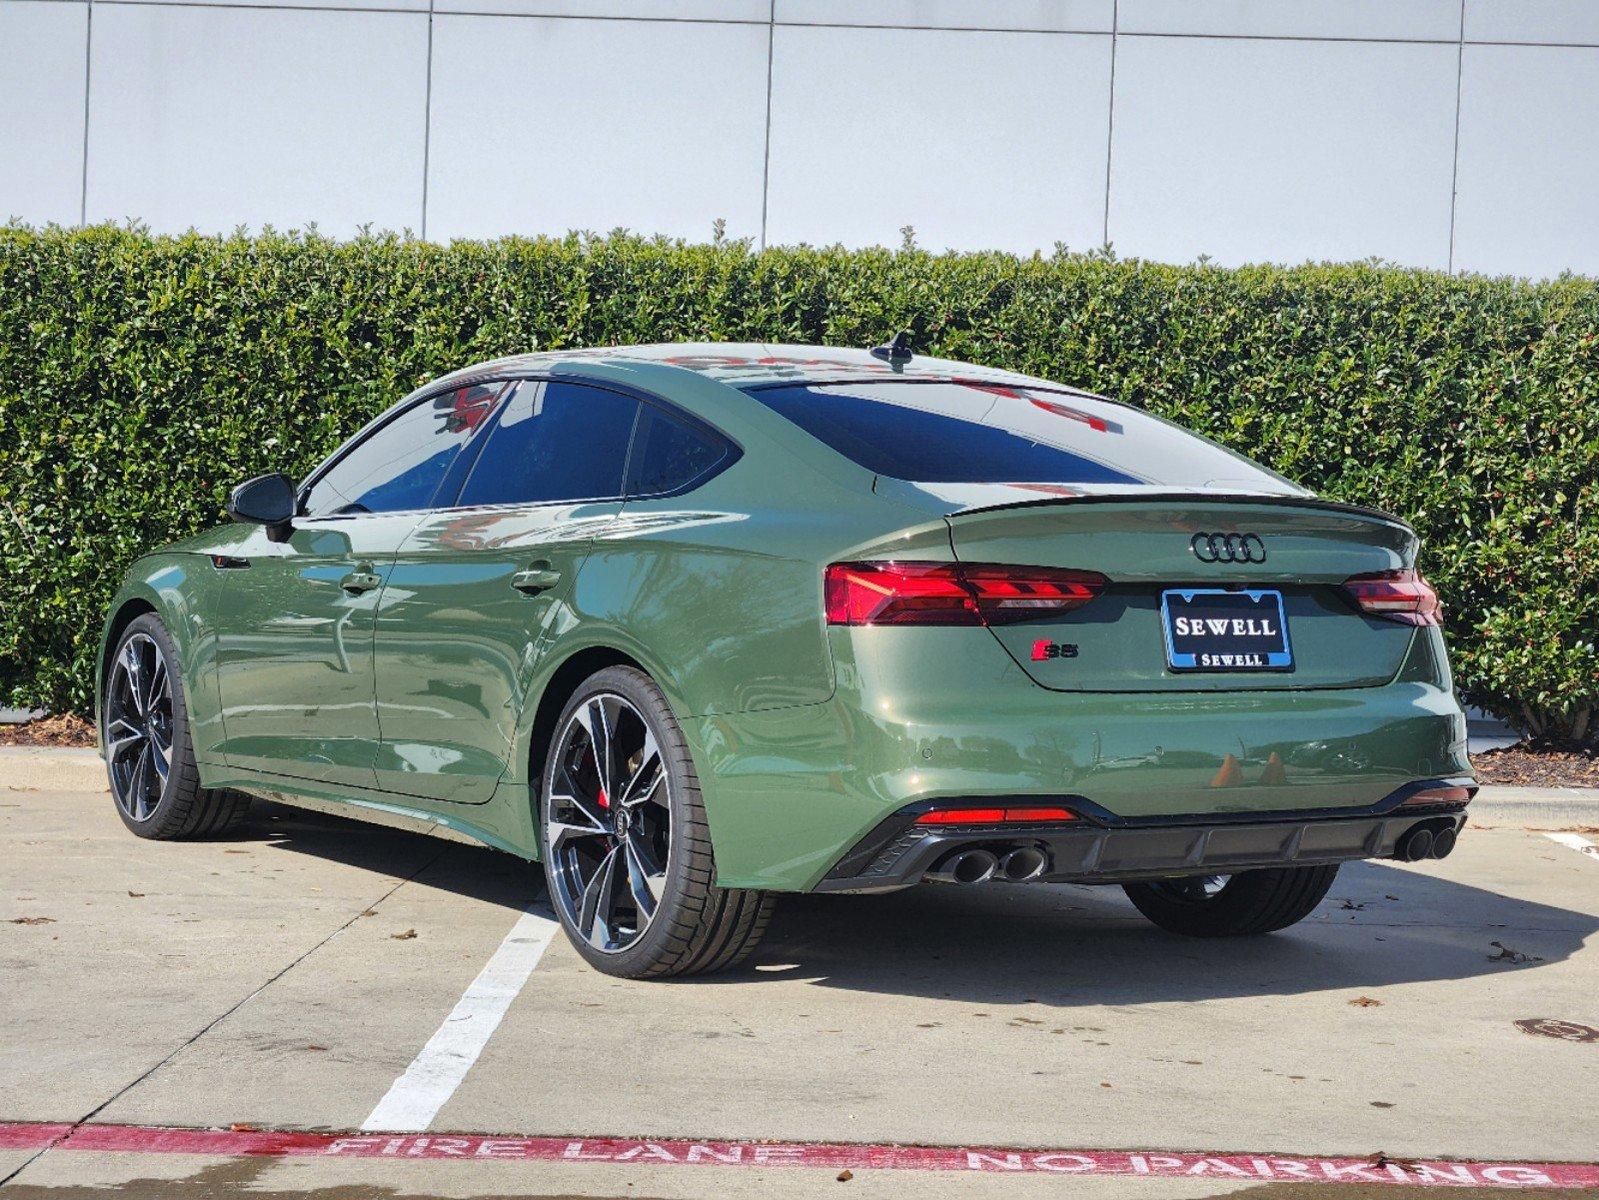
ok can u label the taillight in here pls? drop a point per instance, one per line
(994, 816)
(890, 593)
(1402, 596)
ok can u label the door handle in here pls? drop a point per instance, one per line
(357, 582)
(535, 580)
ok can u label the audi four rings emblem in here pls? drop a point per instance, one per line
(1228, 548)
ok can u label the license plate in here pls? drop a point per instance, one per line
(1210, 629)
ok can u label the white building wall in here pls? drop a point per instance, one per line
(1453, 134)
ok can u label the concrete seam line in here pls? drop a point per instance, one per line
(414, 1099)
(463, 1147)
(215, 1021)
(1576, 842)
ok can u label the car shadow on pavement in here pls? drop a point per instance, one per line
(1063, 944)
(475, 872)
(1054, 943)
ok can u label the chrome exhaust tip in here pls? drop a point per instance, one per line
(965, 866)
(1021, 865)
(1443, 841)
(1415, 844)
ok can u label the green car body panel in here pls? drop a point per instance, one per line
(429, 695)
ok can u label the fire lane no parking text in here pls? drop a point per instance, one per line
(834, 1156)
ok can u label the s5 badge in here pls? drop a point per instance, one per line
(1044, 650)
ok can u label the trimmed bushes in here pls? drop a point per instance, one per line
(141, 376)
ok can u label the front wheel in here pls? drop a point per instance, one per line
(1251, 902)
(627, 851)
(144, 733)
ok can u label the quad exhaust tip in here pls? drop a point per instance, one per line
(1425, 841)
(976, 865)
(1415, 845)
(965, 866)
(1021, 865)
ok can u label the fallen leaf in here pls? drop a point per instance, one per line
(33, 921)
(1381, 1160)
(243, 1127)
(137, 895)
(1104, 1085)
(845, 1176)
(1509, 955)
(316, 1047)
(1352, 906)
(404, 937)
(1381, 1104)
(1365, 1002)
(371, 912)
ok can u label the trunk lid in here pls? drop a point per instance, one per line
(1150, 545)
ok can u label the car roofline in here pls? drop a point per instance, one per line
(1019, 381)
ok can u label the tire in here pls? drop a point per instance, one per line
(144, 722)
(650, 826)
(1242, 905)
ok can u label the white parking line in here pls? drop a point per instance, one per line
(1577, 842)
(414, 1099)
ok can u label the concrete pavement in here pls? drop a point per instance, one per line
(285, 978)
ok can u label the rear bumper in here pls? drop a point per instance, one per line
(1100, 847)
(928, 714)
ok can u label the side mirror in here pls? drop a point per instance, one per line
(265, 500)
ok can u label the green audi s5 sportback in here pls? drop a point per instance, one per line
(697, 624)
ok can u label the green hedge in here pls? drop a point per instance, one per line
(141, 376)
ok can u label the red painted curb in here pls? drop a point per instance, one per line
(831, 1156)
(30, 1137)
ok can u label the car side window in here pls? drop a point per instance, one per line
(669, 454)
(400, 466)
(554, 441)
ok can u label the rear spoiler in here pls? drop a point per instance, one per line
(1310, 502)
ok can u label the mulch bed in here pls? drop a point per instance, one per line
(1538, 766)
(65, 730)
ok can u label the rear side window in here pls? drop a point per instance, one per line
(668, 454)
(398, 468)
(554, 441)
(948, 432)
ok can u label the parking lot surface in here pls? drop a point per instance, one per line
(314, 974)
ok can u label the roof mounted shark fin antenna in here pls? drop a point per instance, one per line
(898, 350)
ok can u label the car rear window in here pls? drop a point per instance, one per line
(668, 455)
(959, 432)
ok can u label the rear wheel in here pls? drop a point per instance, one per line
(627, 851)
(144, 733)
(1250, 902)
